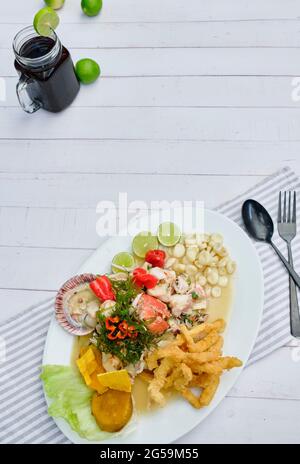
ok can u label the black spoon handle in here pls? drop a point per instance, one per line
(291, 270)
(294, 306)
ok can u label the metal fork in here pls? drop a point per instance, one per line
(287, 229)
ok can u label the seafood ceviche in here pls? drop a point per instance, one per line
(148, 319)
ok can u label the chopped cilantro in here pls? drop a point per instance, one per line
(128, 350)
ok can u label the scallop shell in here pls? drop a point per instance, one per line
(59, 303)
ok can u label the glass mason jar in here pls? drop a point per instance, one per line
(47, 76)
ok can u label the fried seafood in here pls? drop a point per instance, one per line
(192, 360)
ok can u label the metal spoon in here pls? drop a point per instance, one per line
(260, 226)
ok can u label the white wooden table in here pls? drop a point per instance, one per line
(194, 103)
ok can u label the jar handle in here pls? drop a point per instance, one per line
(26, 102)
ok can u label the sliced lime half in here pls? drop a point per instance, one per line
(144, 242)
(122, 262)
(45, 21)
(55, 4)
(168, 234)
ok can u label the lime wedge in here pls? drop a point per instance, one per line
(122, 260)
(168, 234)
(55, 4)
(45, 21)
(144, 242)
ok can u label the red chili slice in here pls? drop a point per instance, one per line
(102, 288)
(121, 335)
(96, 289)
(123, 327)
(110, 322)
(132, 332)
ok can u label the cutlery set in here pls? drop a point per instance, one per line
(260, 226)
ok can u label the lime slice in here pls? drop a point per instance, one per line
(91, 7)
(55, 4)
(45, 21)
(144, 242)
(87, 70)
(168, 234)
(122, 260)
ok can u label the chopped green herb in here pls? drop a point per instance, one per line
(195, 295)
(128, 350)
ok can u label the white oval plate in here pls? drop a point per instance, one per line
(178, 417)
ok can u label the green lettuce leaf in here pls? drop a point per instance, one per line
(71, 400)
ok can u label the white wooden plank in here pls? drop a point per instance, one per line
(193, 91)
(274, 33)
(16, 302)
(48, 227)
(156, 10)
(154, 124)
(38, 268)
(188, 157)
(182, 61)
(85, 191)
(249, 421)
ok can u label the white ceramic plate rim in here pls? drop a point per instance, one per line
(245, 319)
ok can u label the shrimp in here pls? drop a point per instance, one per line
(154, 312)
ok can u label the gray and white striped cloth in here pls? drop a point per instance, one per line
(23, 410)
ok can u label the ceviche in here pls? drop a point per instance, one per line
(149, 320)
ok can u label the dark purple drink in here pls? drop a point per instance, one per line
(46, 70)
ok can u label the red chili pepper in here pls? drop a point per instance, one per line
(132, 332)
(102, 288)
(110, 321)
(142, 279)
(119, 330)
(123, 327)
(156, 258)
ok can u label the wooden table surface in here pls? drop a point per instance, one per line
(197, 100)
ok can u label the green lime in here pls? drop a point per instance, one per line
(144, 242)
(91, 7)
(45, 21)
(87, 70)
(124, 260)
(168, 234)
(55, 4)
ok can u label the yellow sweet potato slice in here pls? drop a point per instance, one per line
(112, 410)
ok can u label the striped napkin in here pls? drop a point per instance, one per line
(23, 410)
